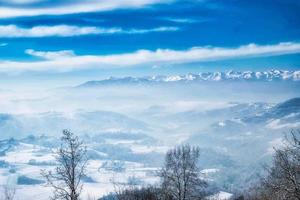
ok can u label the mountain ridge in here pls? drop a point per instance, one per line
(271, 75)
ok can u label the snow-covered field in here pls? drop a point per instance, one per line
(103, 175)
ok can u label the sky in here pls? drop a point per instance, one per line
(71, 41)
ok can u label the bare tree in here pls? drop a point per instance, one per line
(66, 179)
(9, 192)
(257, 192)
(181, 175)
(283, 176)
(283, 180)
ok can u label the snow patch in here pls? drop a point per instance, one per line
(208, 171)
(220, 196)
(222, 124)
(275, 124)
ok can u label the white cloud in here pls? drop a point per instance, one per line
(21, 2)
(182, 20)
(50, 55)
(12, 31)
(158, 29)
(76, 7)
(146, 57)
(3, 44)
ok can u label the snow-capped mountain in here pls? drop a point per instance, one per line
(272, 75)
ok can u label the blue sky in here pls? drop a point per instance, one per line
(81, 39)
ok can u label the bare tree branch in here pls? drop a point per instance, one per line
(181, 178)
(66, 179)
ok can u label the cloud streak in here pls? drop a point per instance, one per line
(76, 7)
(13, 31)
(20, 2)
(56, 62)
(183, 20)
(3, 44)
(51, 55)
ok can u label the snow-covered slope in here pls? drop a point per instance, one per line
(125, 158)
(247, 139)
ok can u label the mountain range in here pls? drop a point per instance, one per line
(271, 75)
